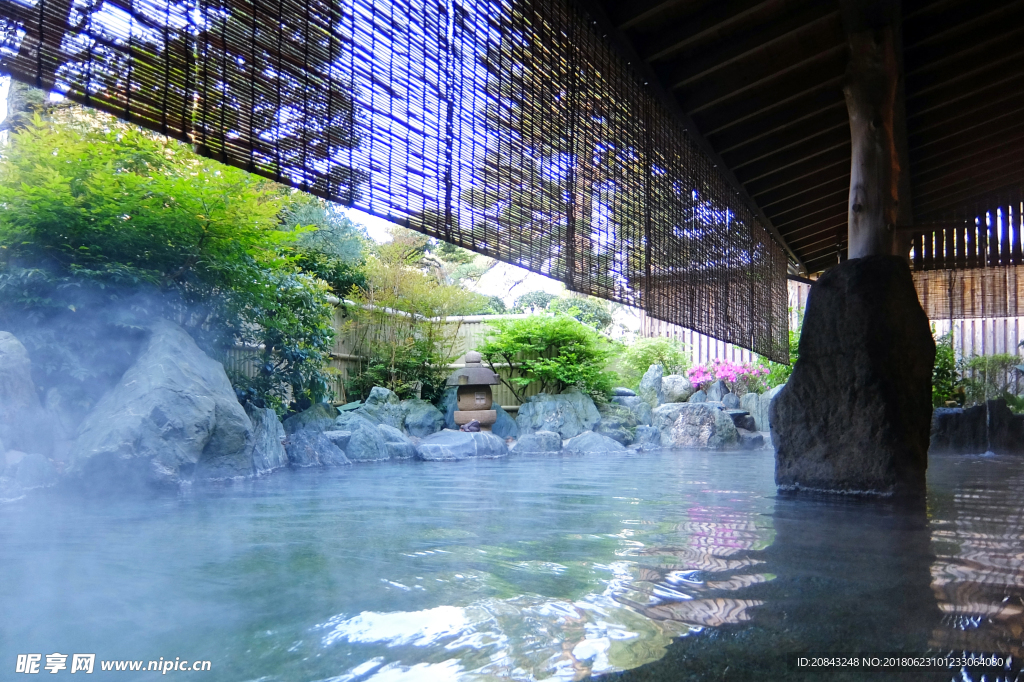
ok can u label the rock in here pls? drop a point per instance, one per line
(268, 452)
(641, 410)
(856, 412)
(422, 418)
(698, 397)
(647, 437)
(541, 442)
(617, 422)
(505, 426)
(959, 431)
(366, 442)
(650, 390)
(623, 391)
(339, 438)
(319, 417)
(751, 402)
(310, 448)
(694, 426)
(23, 423)
(173, 417)
(568, 414)
(731, 401)
(742, 419)
(31, 471)
(382, 406)
(449, 446)
(591, 443)
(64, 420)
(717, 391)
(677, 388)
(1005, 429)
(750, 440)
(448, 405)
(763, 416)
(396, 443)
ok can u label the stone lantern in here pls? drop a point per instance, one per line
(474, 383)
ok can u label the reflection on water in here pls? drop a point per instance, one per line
(529, 568)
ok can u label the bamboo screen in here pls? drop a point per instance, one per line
(510, 128)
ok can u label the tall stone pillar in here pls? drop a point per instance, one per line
(855, 415)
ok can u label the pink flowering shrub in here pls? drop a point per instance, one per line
(743, 376)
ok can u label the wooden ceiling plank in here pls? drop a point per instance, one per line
(999, 115)
(640, 11)
(712, 17)
(970, 66)
(951, 186)
(941, 205)
(972, 143)
(784, 127)
(769, 105)
(802, 176)
(952, 24)
(780, 213)
(967, 170)
(786, 196)
(795, 157)
(804, 229)
(827, 137)
(982, 90)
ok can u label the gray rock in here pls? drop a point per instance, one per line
(382, 396)
(677, 388)
(450, 446)
(319, 417)
(568, 414)
(422, 418)
(1005, 429)
(448, 405)
(23, 423)
(959, 431)
(396, 443)
(717, 391)
(268, 451)
(310, 448)
(541, 442)
(731, 401)
(763, 416)
(617, 422)
(591, 443)
(641, 410)
(650, 390)
(339, 438)
(647, 437)
(750, 440)
(694, 426)
(505, 426)
(366, 443)
(382, 406)
(856, 412)
(172, 417)
(698, 397)
(623, 391)
(751, 402)
(742, 419)
(33, 471)
(629, 401)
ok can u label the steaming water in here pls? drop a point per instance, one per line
(524, 568)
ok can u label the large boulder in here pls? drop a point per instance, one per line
(757, 405)
(23, 424)
(422, 418)
(319, 417)
(172, 417)
(623, 391)
(641, 410)
(699, 426)
(268, 452)
(541, 442)
(310, 448)
(450, 446)
(698, 397)
(751, 402)
(25, 471)
(397, 444)
(650, 390)
(677, 388)
(647, 438)
(448, 405)
(366, 442)
(568, 414)
(505, 426)
(617, 422)
(959, 431)
(856, 412)
(717, 391)
(382, 406)
(591, 443)
(731, 401)
(1005, 429)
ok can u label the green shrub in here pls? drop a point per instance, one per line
(947, 383)
(644, 352)
(557, 352)
(987, 377)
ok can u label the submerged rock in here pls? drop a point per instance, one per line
(695, 426)
(309, 448)
(568, 414)
(450, 446)
(319, 417)
(590, 443)
(677, 388)
(268, 452)
(750, 440)
(541, 442)
(172, 417)
(650, 390)
(647, 437)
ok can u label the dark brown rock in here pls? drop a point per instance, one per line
(959, 431)
(855, 415)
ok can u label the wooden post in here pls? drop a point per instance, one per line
(878, 173)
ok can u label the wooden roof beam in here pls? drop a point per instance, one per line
(976, 121)
(804, 174)
(986, 142)
(781, 200)
(773, 107)
(712, 17)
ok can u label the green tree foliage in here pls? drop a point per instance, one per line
(533, 302)
(644, 352)
(95, 213)
(328, 244)
(587, 309)
(779, 373)
(987, 377)
(400, 321)
(947, 382)
(557, 352)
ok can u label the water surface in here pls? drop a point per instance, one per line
(527, 568)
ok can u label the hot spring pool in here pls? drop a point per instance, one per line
(526, 568)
